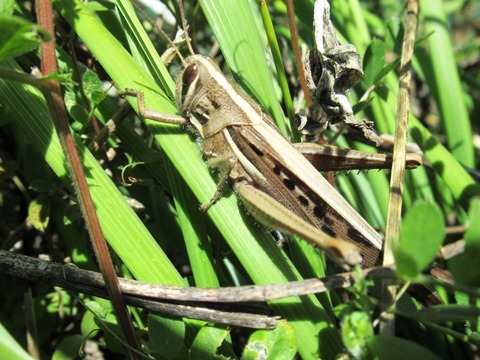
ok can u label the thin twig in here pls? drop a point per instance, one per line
(451, 250)
(53, 97)
(160, 298)
(31, 322)
(296, 51)
(110, 127)
(399, 153)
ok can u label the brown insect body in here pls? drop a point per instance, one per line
(239, 138)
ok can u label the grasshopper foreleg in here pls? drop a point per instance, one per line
(215, 162)
(152, 114)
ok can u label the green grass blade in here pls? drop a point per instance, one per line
(445, 82)
(123, 229)
(240, 39)
(10, 348)
(460, 183)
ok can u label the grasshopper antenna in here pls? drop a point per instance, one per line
(164, 35)
(185, 27)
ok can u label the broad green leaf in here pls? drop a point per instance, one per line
(357, 329)
(69, 348)
(18, 36)
(98, 309)
(166, 335)
(39, 212)
(461, 266)
(207, 342)
(98, 96)
(420, 238)
(76, 109)
(7, 7)
(279, 343)
(88, 326)
(394, 348)
(92, 87)
(106, 320)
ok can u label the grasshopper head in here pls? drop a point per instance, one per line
(195, 89)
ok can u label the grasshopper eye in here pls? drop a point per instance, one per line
(190, 74)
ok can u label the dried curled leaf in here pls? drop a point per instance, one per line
(332, 70)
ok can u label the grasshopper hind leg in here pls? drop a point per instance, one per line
(268, 211)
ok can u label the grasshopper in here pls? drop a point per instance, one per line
(275, 181)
